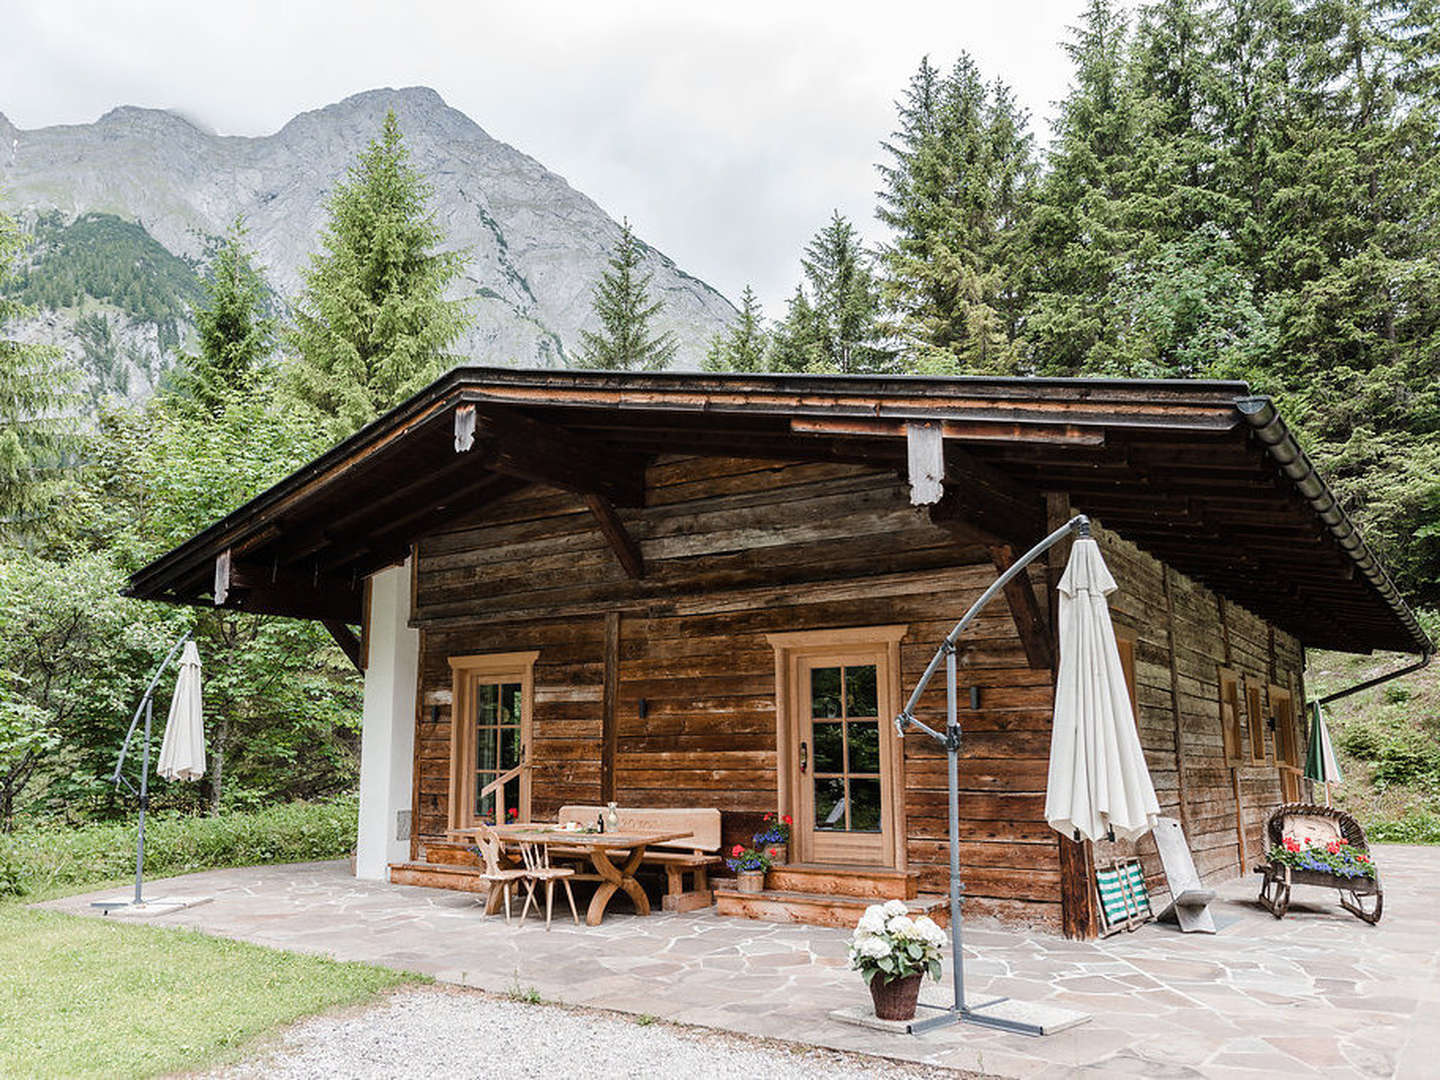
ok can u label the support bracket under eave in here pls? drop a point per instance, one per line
(347, 640)
(1025, 610)
(621, 542)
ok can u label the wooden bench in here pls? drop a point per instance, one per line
(694, 854)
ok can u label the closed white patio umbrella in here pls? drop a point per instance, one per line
(182, 751)
(1099, 786)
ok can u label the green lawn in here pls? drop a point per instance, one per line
(84, 997)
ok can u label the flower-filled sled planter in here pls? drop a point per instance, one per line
(1319, 845)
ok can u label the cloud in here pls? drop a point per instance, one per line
(726, 133)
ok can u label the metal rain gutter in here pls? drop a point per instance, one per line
(1270, 429)
(1424, 661)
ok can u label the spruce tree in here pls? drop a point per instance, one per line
(744, 345)
(954, 195)
(372, 325)
(623, 306)
(834, 325)
(37, 403)
(235, 332)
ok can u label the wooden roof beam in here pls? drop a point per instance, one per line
(549, 454)
(249, 587)
(626, 550)
(1024, 609)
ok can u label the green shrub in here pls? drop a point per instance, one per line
(1397, 694)
(1418, 827)
(1361, 739)
(46, 858)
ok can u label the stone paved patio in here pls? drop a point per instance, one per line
(1317, 994)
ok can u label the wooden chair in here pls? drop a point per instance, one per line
(1301, 821)
(494, 872)
(538, 869)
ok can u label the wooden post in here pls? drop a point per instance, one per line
(610, 707)
(1234, 769)
(1077, 858)
(1173, 642)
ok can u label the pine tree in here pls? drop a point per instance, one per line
(744, 345)
(833, 326)
(372, 325)
(625, 310)
(37, 401)
(236, 334)
(954, 194)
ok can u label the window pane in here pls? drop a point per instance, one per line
(510, 703)
(485, 738)
(487, 703)
(825, 692)
(828, 749)
(829, 804)
(864, 746)
(865, 806)
(512, 800)
(509, 748)
(860, 699)
(484, 804)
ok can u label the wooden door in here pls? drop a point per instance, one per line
(844, 752)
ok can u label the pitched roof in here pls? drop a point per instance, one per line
(1200, 473)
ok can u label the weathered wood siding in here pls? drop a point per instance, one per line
(735, 550)
(1208, 634)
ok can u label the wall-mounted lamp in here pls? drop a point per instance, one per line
(974, 697)
(434, 714)
(642, 709)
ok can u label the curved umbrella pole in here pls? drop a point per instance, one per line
(959, 1010)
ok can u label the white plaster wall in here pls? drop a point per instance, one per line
(387, 739)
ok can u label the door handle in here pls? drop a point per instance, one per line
(804, 757)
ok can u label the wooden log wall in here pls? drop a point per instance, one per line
(734, 550)
(1184, 697)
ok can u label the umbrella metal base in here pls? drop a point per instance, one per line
(149, 908)
(1004, 1014)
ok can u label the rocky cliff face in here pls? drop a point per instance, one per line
(534, 244)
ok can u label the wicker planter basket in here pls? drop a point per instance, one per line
(895, 1000)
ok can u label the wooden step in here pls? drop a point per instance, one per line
(817, 909)
(450, 852)
(437, 876)
(868, 883)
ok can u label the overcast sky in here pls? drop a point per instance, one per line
(726, 133)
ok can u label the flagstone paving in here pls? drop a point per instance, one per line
(1318, 994)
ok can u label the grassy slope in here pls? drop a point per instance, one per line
(1387, 739)
(85, 997)
(90, 997)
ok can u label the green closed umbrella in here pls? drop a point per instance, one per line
(1320, 763)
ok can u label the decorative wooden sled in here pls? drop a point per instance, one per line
(1320, 824)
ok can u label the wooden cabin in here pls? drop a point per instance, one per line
(683, 590)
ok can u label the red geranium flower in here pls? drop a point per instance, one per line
(786, 819)
(737, 851)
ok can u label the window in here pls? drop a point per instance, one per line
(1255, 713)
(1287, 742)
(1230, 715)
(492, 698)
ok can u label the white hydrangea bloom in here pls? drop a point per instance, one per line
(891, 908)
(901, 926)
(871, 923)
(929, 931)
(873, 948)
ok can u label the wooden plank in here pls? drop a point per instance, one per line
(925, 458)
(348, 642)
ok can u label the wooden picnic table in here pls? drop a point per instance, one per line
(599, 849)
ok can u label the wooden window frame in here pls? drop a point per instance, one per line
(1127, 643)
(1232, 726)
(1255, 723)
(466, 673)
(792, 647)
(1287, 736)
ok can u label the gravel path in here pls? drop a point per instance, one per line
(452, 1032)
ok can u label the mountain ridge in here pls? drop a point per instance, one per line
(534, 243)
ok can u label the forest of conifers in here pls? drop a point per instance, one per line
(1240, 189)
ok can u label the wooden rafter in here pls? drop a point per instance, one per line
(347, 640)
(618, 537)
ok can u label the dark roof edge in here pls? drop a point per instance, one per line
(1270, 429)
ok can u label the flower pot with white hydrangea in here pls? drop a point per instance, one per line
(894, 952)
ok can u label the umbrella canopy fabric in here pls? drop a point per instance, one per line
(1320, 763)
(182, 752)
(1098, 779)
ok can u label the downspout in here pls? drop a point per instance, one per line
(1267, 426)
